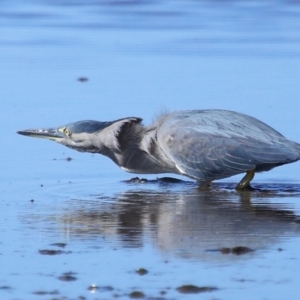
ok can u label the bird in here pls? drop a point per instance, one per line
(204, 145)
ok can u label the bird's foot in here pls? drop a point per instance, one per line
(245, 182)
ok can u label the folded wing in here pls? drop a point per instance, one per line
(209, 151)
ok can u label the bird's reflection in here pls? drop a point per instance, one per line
(190, 223)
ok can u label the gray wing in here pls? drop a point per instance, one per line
(215, 149)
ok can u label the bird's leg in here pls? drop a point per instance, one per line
(246, 180)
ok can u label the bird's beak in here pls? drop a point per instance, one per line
(49, 134)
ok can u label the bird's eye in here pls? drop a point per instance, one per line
(67, 132)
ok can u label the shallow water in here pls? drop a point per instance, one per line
(77, 229)
(74, 243)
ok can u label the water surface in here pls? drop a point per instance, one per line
(77, 229)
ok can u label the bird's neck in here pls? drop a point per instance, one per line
(144, 156)
(134, 148)
(137, 161)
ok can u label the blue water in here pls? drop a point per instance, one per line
(141, 58)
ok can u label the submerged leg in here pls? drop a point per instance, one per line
(245, 182)
(204, 185)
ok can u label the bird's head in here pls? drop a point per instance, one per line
(85, 136)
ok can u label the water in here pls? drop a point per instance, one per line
(67, 225)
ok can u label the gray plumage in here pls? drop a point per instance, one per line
(202, 144)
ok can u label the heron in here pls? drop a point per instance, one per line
(204, 145)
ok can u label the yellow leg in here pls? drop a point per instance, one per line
(246, 180)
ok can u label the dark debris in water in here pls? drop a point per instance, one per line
(68, 276)
(53, 252)
(141, 271)
(237, 250)
(106, 288)
(163, 180)
(193, 289)
(61, 245)
(50, 252)
(5, 287)
(136, 180)
(42, 293)
(136, 295)
(94, 288)
(82, 79)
